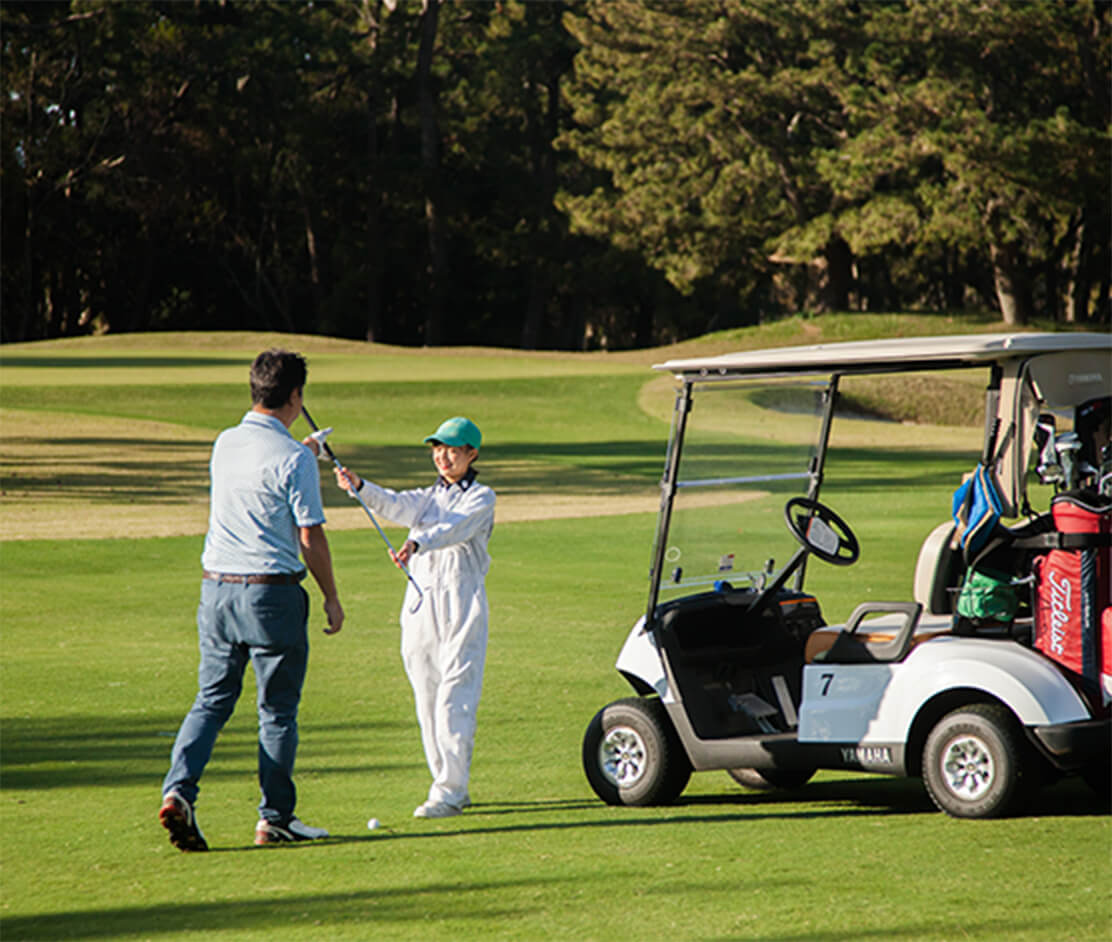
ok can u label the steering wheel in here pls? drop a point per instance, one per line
(821, 531)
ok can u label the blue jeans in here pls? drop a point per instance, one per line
(266, 624)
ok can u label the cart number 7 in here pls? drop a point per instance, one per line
(827, 679)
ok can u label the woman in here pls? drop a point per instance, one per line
(444, 636)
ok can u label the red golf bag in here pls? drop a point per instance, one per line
(1073, 591)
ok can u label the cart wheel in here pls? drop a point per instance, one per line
(632, 755)
(763, 780)
(971, 762)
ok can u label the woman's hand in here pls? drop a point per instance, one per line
(348, 480)
(405, 554)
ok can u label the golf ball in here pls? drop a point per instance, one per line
(372, 824)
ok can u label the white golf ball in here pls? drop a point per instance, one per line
(372, 824)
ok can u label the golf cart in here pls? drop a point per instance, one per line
(989, 678)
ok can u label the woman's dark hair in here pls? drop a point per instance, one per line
(275, 374)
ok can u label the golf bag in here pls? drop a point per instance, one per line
(1073, 591)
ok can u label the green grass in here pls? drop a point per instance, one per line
(97, 669)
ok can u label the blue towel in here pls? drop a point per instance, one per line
(976, 508)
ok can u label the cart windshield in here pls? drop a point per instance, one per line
(747, 447)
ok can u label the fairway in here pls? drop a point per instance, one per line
(103, 500)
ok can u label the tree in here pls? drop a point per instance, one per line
(971, 130)
(705, 118)
(894, 147)
(608, 173)
(168, 158)
(46, 160)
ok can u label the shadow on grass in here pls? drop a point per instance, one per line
(1069, 797)
(126, 469)
(881, 794)
(99, 751)
(287, 916)
(1022, 926)
(872, 793)
(108, 362)
(298, 915)
(110, 469)
(865, 798)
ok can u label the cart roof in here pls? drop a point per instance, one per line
(882, 356)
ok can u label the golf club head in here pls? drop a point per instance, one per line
(1049, 469)
(1068, 447)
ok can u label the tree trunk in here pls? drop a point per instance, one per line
(1103, 301)
(1012, 290)
(953, 289)
(1078, 282)
(430, 172)
(371, 19)
(540, 280)
(373, 258)
(30, 316)
(839, 275)
(314, 260)
(534, 308)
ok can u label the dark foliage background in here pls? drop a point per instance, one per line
(548, 174)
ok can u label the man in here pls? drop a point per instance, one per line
(265, 508)
(444, 637)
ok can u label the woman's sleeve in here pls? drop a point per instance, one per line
(400, 507)
(459, 525)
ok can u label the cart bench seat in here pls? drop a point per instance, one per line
(876, 633)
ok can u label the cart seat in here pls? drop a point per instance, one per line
(874, 640)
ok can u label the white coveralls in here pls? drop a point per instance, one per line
(444, 641)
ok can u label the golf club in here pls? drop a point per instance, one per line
(336, 461)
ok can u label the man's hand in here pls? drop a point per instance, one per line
(315, 441)
(334, 612)
(317, 556)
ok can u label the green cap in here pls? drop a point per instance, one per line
(457, 432)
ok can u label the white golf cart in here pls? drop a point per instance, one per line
(989, 678)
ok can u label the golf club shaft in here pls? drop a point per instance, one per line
(359, 497)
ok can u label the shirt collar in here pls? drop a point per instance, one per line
(269, 421)
(464, 483)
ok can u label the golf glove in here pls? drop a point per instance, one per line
(319, 437)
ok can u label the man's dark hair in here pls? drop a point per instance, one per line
(275, 374)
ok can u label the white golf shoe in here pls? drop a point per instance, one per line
(436, 809)
(267, 832)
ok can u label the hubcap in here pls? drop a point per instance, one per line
(622, 756)
(967, 767)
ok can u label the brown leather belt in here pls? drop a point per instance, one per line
(261, 578)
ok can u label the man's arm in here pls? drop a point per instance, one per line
(317, 556)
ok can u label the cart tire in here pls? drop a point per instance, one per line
(763, 780)
(632, 755)
(972, 762)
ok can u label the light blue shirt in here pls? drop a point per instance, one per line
(265, 485)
